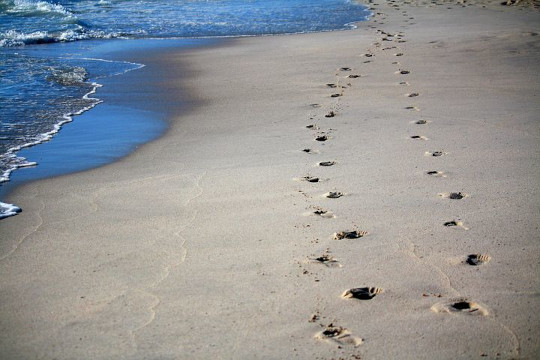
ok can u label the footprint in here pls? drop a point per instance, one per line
(326, 260)
(398, 54)
(477, 259)
(335, 95)
(354, 76)
(412, 94)
(404, 83)
(412, 108)
(365, 293)
(312, 127)
(435, 153)
(349, 235)
(327, 163)
(455, 223)
(421, 122)
(403, 72)
(323, 213)
(453, 195)
(419, 137)
(310, 151)
(460, 306)
(333, 194)
(345, 69)
(338, 335)
(330, 114)
(321, 138)
(310, 179)
(368, 55)
(315, 105)
(331, 85)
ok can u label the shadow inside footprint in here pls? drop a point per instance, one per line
(326, 260)
(460, 306)
(310, 179)
(456, 196)
(338, 335)
(349, 234)
(421, 122)
(321, 138)
(477, 259)
(334, 194)
(327, 163)
(364, 293)
(331, 85)
(353, 76)
(345, 69)
(330, 114)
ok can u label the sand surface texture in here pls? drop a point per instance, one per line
(362, 194)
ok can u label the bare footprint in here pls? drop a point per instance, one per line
(398, 54)
(327, 163)
(460, 305)
(412, 94)
(331, 85)
(477, 259)
(455, 223)
(330, 114)
(403, 72)
(338, 335)
(421, 122)
(312, 127)
(345, 69)
(435, 153)
(355, 234)
(364, 293)
(335, 95)
(333, 194)
(322, 213)
(326, 260)
(354, 76)
(310, 151)
(453, 195)
(419, 137)
(321, 138)
(310, 179)
(412, 108)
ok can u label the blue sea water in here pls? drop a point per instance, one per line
(44, 85)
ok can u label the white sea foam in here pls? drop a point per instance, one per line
(29, 6)
(7, 210)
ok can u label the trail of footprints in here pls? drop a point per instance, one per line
(332, 333)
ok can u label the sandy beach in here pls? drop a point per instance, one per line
(363, 194)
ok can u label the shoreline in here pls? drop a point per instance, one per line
(207, 242)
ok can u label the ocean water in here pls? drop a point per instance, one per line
(49, 74)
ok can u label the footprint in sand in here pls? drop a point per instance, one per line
(315, 105)
(421, 122)
(435, 153)
(338, 335)
(419, 137)
(330, 114)
(404, 83)
(318, 211)
(327, 163)
(321, 138)
(414, 94)
(345, 69)
(310, 151)
(355, 234)
(412, 108)
(456, 224)
(477, 259)
(353, 76)
(364, 293)
(368, 55)
(326, 260)
(453, 195)
(312, 127)
(403, 72)
(460, 305)
(333, 86)
(333, 194)
(310, 179)
(335, 95)
(398, 54)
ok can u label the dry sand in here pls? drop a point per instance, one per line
(210, 243)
